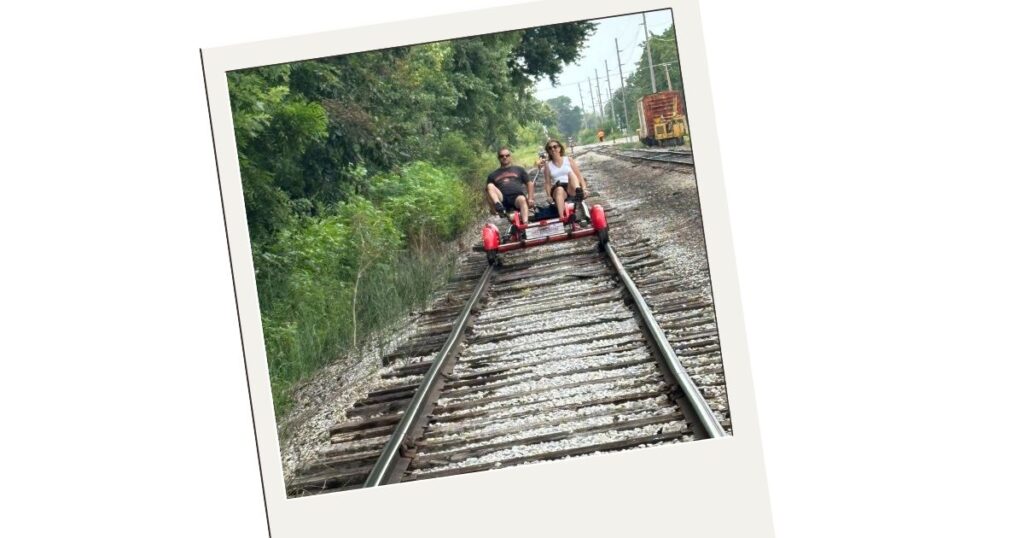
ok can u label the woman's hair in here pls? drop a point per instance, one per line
(561, 148)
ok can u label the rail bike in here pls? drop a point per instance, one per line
(546, 226)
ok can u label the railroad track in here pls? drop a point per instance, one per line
(551, 355)
(670, 156)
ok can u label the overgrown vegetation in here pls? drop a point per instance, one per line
(356, 168)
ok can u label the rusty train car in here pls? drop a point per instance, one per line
(663, 118)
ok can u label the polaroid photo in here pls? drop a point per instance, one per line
(484, 276)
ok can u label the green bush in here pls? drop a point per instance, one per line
(586, 136)
(468, 160)
(428, 204)
(327, 282)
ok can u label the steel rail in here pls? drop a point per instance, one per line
(417, 408)
(663, 156)
(690, 390)
(659, 156)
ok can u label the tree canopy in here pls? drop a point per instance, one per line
(569, 117)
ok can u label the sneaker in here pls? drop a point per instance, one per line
(579, 196)
(500, 208)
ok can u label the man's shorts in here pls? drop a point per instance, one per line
(509, 201)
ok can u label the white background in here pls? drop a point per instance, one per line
(872, 160)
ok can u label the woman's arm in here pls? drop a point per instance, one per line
(547, 181)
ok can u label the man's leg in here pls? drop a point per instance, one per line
(524, 209)
(495, 195)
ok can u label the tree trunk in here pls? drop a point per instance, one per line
(355, 296)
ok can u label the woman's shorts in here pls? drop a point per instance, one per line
(563, 186)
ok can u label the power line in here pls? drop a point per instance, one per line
(589, 80)
(630, 50)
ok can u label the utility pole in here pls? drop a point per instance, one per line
(583, 107)
(667, 77)
(650, 63)
(611, 102)
(597, 81)
(591, 88)
(622, 82)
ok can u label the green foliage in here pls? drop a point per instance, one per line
(534, 134)
(300, 292)
(467, 158)
(355, 168)
(327, 281)
(543, 50)
(426, 203)
(569, 117)
(273, 130)
(586, 136)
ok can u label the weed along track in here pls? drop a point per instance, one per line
(562, 350)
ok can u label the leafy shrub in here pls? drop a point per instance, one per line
(325, 282)
(428, 204)
(467, 159)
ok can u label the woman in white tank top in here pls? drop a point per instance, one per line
(561, 176)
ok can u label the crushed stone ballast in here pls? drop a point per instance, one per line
(563, 350)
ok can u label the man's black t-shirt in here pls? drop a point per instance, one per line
(511, 181)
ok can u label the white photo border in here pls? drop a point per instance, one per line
(707, 488)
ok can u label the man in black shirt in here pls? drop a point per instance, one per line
(509, 187)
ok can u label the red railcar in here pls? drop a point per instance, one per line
(662, 118)
(580, 220)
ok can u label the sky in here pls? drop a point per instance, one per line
(600, 47)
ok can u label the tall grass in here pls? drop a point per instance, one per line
(305, 333)
(330, 284)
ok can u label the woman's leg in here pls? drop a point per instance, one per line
(575, 187)
(558, 194)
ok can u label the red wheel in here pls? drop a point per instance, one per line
(491, 237)
(598, 218)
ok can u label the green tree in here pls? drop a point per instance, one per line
(569, 117)
(274, 128)
(542, 51)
